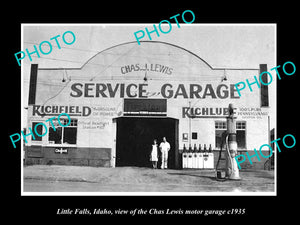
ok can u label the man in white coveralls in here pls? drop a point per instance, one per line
(164, 148)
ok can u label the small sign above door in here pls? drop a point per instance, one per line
(145, 107)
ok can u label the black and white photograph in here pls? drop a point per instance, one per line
(146, 111)
(169, 108)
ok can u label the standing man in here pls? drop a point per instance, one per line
(164, 148)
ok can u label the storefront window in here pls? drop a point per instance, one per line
(63, 135)
(39, 130)
(220, 131)
(241, 134)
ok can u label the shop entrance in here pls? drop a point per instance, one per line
(135, 137)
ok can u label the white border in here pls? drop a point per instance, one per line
(274, 193)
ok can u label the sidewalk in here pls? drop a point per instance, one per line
(136, 179)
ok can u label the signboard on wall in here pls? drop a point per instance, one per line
(145, 107)
(204, 112)
(251, 113)
(219, 112)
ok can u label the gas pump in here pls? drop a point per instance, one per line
(231, 170)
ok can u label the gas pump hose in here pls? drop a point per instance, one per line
(228, 152)
(229, 156)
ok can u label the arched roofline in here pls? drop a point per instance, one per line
(161, 42)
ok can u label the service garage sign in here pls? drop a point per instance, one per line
(167, 90)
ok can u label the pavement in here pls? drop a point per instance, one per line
(56, 178)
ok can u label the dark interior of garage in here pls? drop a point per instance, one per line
(135, 136)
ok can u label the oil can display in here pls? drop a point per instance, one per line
(198, 158)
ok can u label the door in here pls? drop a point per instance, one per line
(135, 136)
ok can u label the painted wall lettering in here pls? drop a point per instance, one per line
(133, 90)
(147, 67)
(46, 110)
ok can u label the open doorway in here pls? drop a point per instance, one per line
(135, 136)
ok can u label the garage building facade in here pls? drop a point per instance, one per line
(127, 95)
